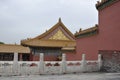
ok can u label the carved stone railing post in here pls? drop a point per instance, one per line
(84, 63)
(41, 63)
(64, 64)
(99, 61)
(15, 64)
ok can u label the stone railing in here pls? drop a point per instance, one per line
(48, 67)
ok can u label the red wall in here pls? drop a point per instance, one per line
(107, 39)
(109, 25)
(88, 46)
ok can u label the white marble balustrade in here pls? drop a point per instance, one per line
(48, 67)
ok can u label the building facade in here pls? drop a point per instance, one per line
(103, 38)
(52, 43)
(7, 52)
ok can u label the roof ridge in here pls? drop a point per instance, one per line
(53, 28)
(47, 32)
(86, 30)
(104, 3)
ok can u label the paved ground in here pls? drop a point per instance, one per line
(80, 76)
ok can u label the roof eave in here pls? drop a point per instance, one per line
(87, 33)
(105, 3)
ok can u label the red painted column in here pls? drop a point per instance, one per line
(31, 56)
(21, 57)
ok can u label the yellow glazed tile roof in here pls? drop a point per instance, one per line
(50, 43)
(11, 48)
(87, 30)
(59, 39)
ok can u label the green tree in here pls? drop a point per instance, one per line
(2, 43)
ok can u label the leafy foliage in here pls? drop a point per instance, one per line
(2, 43)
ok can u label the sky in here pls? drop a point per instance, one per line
(21, 19)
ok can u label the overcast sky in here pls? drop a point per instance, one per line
(21, 19)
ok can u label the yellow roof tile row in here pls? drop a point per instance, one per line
(11, 48)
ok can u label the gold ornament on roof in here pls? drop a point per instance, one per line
(59, 36)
